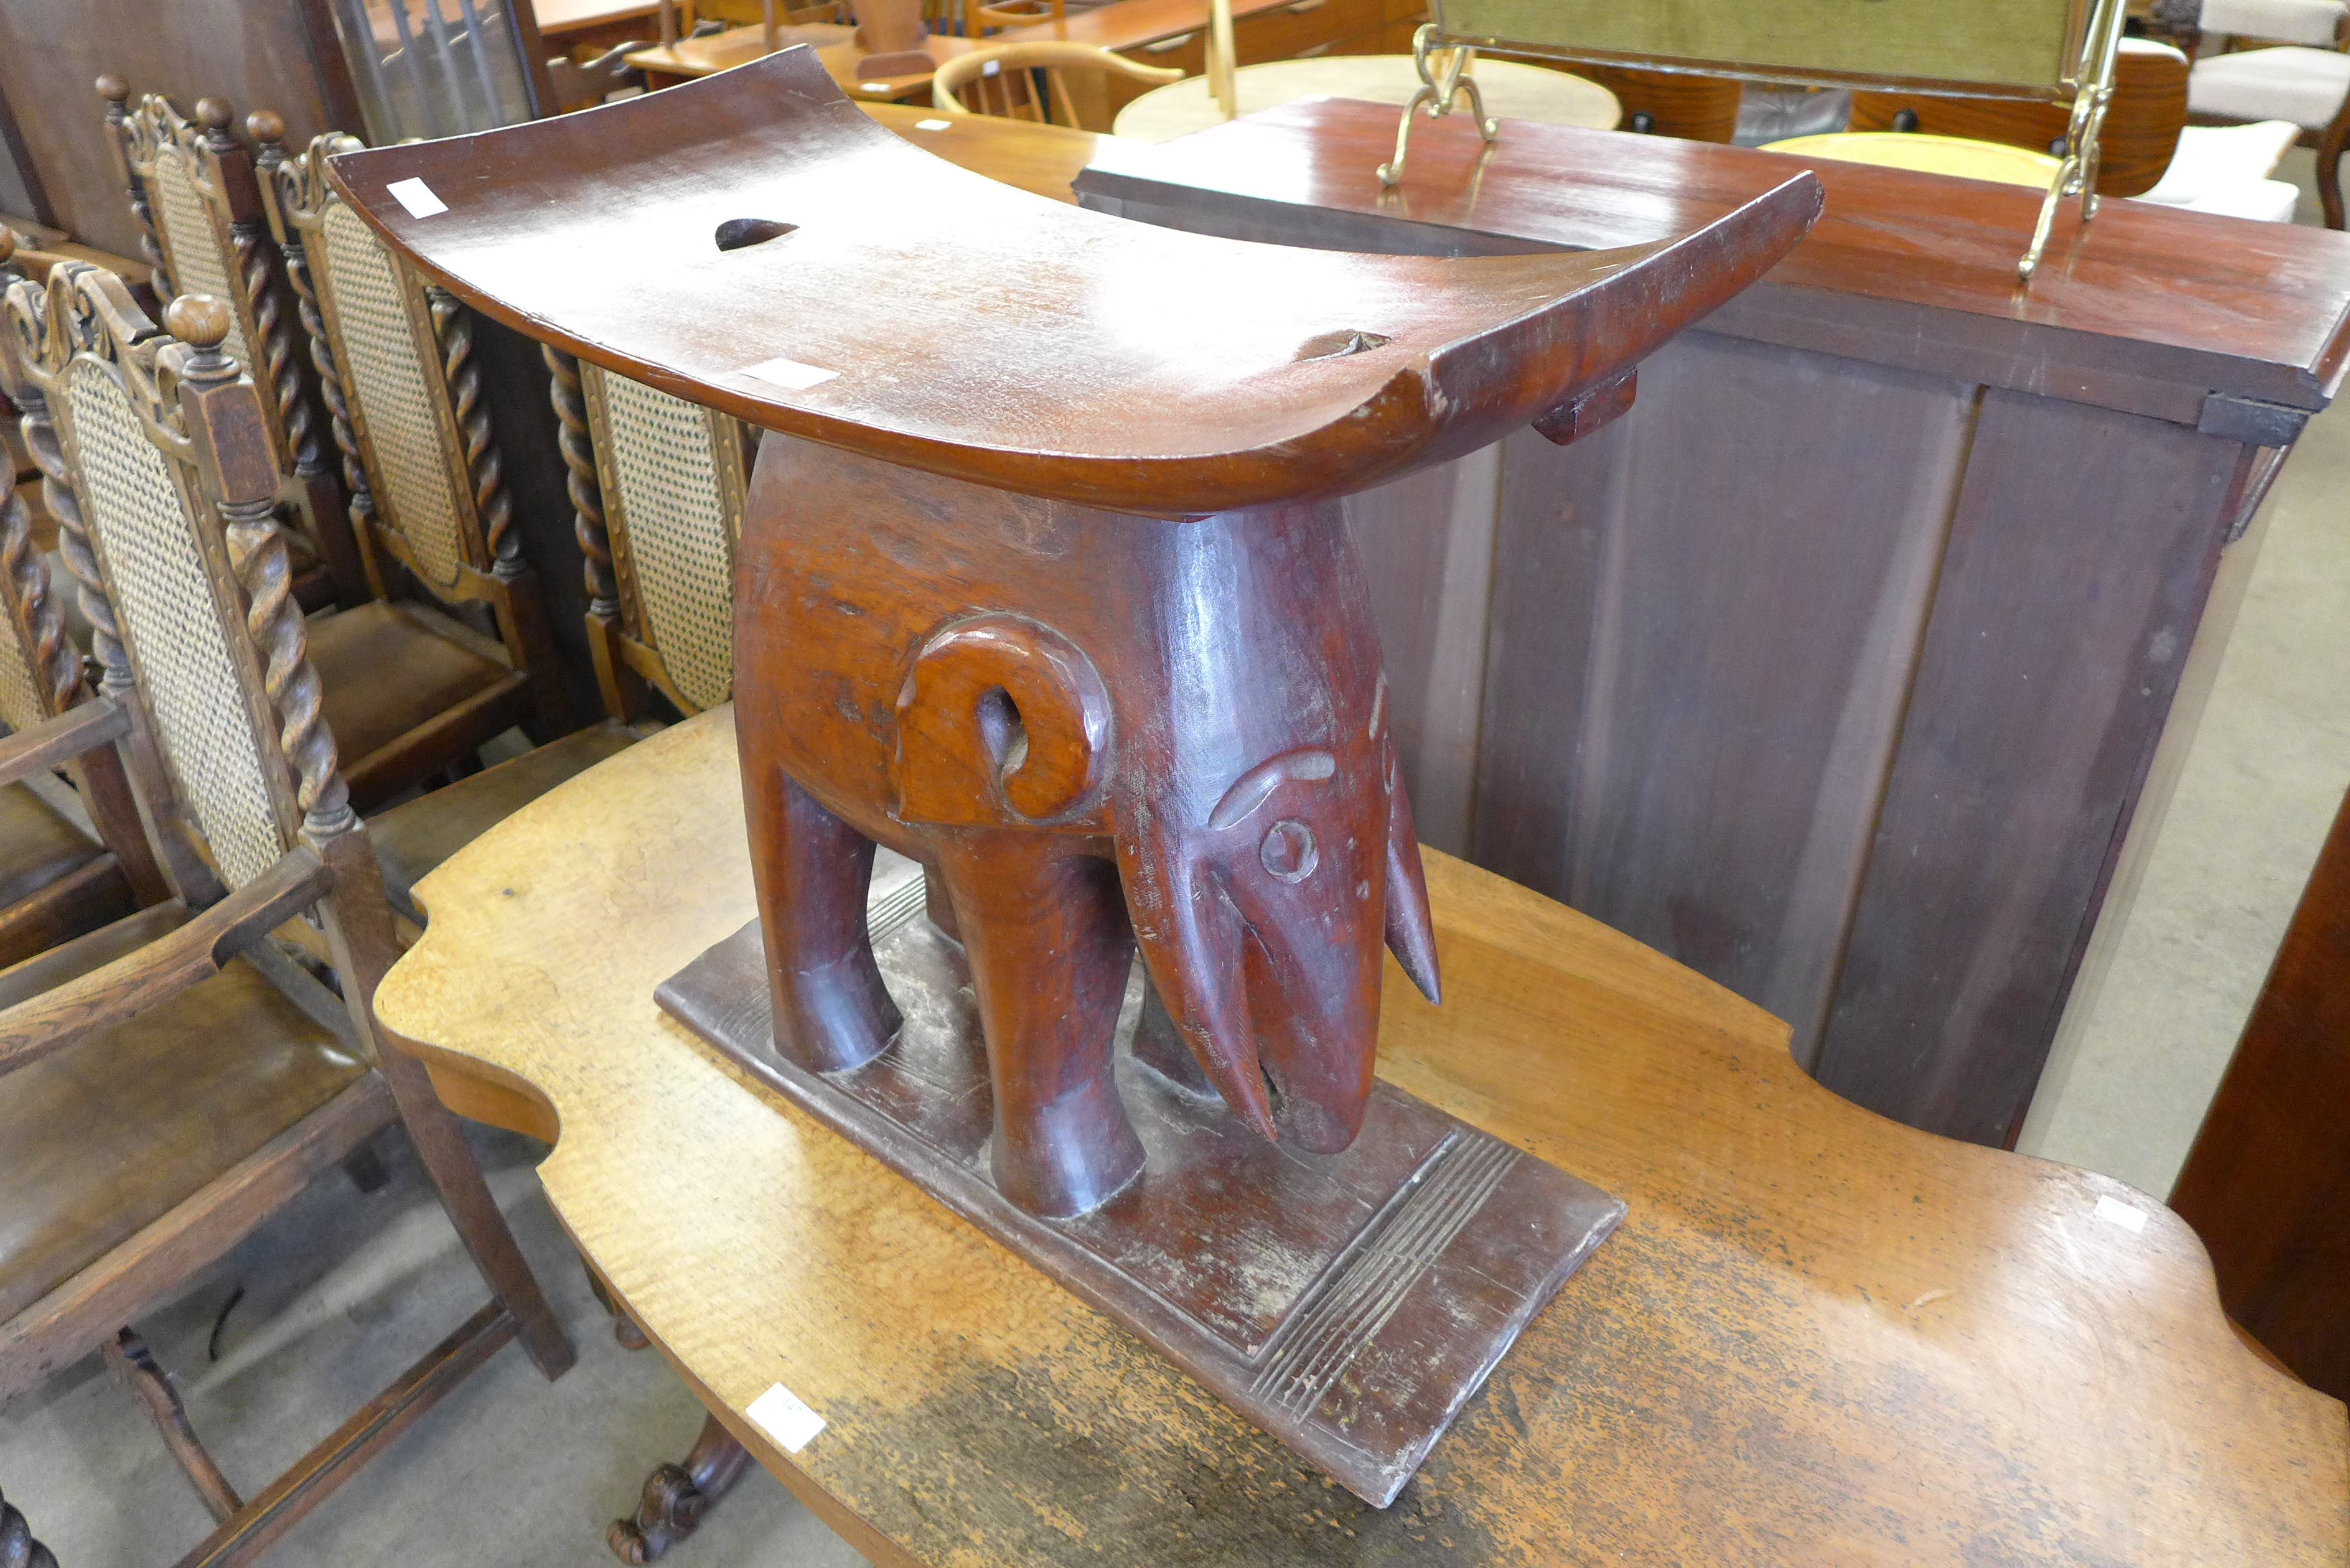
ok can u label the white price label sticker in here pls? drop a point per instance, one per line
(417, 197)
(2114, 1212)
(993, 67)
(781, 1416)
(791, 374)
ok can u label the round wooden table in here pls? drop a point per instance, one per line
(1927, 154)
(1512, 91)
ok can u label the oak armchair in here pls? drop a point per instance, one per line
(172, 1077)
(208, 222)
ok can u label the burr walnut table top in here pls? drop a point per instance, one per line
(1819, 1336)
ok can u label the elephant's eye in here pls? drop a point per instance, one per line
(1288, 850)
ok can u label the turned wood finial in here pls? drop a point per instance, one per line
(7, 244)
(198, 320)
(264, 126)
(114, 89)
(214, 114)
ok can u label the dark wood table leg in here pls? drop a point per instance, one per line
(18, 1547)
(677, 1496)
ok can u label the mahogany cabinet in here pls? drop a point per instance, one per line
(1836, 669)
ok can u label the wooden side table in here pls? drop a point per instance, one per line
(1819, 1336)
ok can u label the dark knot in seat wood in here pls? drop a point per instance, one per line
(1045, 585)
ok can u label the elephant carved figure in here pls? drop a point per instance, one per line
(1097, 732)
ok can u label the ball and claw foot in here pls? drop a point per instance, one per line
(678, 1496)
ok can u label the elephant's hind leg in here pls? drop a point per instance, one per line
(832, 1011)
(1050, 951)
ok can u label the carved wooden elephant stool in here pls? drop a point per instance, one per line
(1045, 585)
(1105, 731)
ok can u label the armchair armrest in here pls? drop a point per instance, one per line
(83, 727)
(117, 992)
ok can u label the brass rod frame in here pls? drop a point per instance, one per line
(2087, 86)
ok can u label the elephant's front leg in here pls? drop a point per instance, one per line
(832, 1011)
(1050, 949)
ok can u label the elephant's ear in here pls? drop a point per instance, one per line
(1410, 933)
(1002, 722)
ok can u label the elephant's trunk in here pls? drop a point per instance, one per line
(1264, 941)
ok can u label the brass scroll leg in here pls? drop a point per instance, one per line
(2076, 175)
(1437, 91)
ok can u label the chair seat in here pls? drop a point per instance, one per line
(413, 838)
(386, 669)
(37, 844)
(108, 1136)
(2304, 86)
(2225, 169)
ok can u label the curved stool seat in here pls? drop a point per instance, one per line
(1274, 374)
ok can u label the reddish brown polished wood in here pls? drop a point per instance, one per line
(1046, 586)
(1837, 667)
(2160, 299)
(2268, 1181)
(1261, 358)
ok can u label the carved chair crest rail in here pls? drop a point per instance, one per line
(199, 199)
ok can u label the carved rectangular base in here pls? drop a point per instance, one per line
(1349, 1305)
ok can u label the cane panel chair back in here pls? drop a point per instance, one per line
(162, 597)
(395, 360)
(385, 335)
(212, 228)
(167, 151)
(658, 485)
